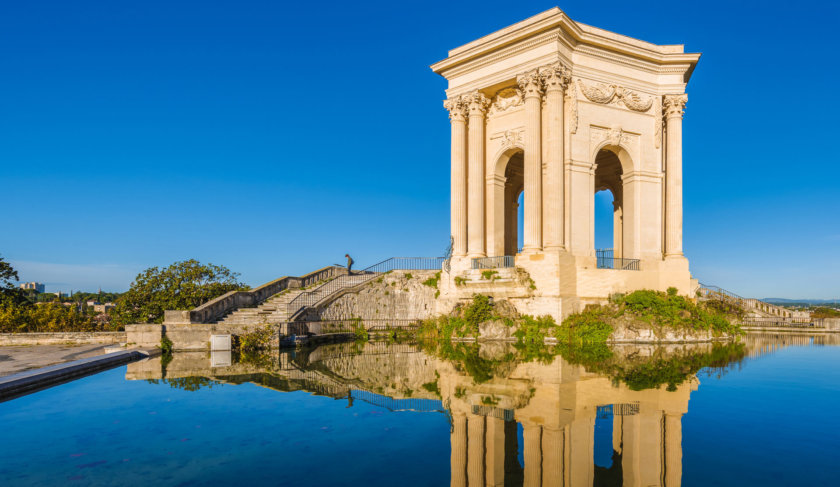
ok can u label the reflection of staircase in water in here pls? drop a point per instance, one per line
(761, 344)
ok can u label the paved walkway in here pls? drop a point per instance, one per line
(19, 359)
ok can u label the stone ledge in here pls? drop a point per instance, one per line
(62, 338)
(24, 383)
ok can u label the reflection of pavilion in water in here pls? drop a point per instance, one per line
(534, 423)
(557, 406)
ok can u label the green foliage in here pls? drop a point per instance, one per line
(432, 387)
(672, 291)
(459, 281)
(408, 276)
(432, 281)
(24, 317)
(530, 338)
(9, 292)
(181, 286)
(166, 346)
(479, 311)
(672, 311)
(586, 327)
(488, 275)
(256, 339)
(460, 392)
(489, 400)
(824, 312)
(359, 331)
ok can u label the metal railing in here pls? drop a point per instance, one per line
(309, 298)
(420, 405)
(493, 262)
(779, 321)
(407, 264)
(606, 260)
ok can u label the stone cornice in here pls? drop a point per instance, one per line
(660, 55)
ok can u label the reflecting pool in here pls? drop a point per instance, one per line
(759, 412)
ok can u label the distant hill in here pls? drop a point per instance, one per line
(810, 302)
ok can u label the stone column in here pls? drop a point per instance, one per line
(531, 86)
(674, 106)
(494, 461)
(458, 458)
(478, 104)
(532, 449)
(673, 449)
(556, 78)
(458, 118)
(475, 450)
(552, 454)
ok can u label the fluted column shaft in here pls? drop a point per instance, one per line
(458, 458)
(674, 106)
(478, 104)
(475, 450)
(532, 437)
(531, 86)
(673, 450)
(458, 119)
(556, 79)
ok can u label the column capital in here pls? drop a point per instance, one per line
(556, 77)
(531, 84)
(477, 102)
(457, 109)
(674, 105)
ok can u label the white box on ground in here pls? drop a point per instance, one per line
(220, 342)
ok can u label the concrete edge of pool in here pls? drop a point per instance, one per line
(23, 383)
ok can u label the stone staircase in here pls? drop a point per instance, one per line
(282, 307)
(755, 308)
(271, 311)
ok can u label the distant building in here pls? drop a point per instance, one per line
(33, 285)
(103, 308)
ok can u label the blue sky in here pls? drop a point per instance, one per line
(273, 137)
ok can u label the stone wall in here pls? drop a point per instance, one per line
(397, 295)
(75, 338)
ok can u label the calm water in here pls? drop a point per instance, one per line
(377, 414)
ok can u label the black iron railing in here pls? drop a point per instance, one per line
(606, 260)
(407, 264)
(492, 262)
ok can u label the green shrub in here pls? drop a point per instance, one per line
(256, 339)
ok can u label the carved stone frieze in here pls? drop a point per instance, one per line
(605, 94)
(657, 114)
(509, 138)
(572, 107)
(506, 99)
(614, 136)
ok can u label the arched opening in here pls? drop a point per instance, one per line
(513, 199)
(609, 218)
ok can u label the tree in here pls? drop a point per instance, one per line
(183, 285)
(9, 292)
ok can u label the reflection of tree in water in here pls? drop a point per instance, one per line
(670, 365)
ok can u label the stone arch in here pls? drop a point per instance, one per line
(611, 165)
(505, 184)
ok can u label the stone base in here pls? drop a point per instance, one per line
(558, 283)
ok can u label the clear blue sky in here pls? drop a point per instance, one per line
(273, 137)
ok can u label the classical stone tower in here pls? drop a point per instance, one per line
(555, 111)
